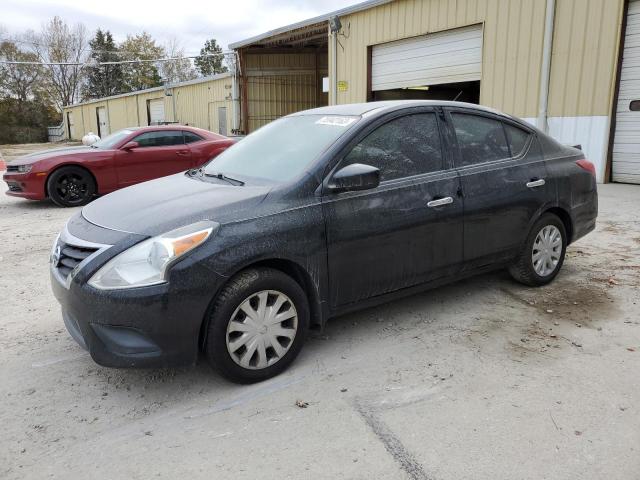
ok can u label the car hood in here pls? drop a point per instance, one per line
(53, 153)
(161, 205)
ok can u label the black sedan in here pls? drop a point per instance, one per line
(316, 214)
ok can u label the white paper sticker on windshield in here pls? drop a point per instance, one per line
(336, 121)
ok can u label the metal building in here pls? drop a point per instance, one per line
(571, 67)
(204, 103)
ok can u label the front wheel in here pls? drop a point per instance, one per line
(543, 253)
(257, 325)
(71, 187)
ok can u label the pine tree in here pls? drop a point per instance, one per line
(210, 60)
(103, 80)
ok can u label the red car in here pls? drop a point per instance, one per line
(72, 176)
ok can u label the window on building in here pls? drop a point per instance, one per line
(480, 139)
(403, 147)
(163, 138)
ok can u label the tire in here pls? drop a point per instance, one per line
(242, 349)
(541, 272)
(71, 186)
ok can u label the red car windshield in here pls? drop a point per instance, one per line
(112, 140)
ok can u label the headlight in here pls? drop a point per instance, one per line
(147, 262)
(24, 168)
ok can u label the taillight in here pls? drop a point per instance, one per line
(587, 165)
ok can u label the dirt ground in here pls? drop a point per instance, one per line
(482, 379)
(10, 152)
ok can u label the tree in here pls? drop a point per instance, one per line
(140, 75)
(25, 106)
(103, 80)
(210, 61)
(179, 70)
(21, 82)
(68, 47)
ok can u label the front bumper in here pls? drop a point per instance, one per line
(155, 326)
(26, 185)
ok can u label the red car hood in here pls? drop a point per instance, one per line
(56, 152)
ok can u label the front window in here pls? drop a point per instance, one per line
(283, 149)
(160, 138)
(110, 141)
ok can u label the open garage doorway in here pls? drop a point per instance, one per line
(460, 92)
(282, 73)
(444, 65)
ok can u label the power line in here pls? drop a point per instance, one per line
(119, 62)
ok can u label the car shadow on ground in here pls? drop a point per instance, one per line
(414, 315)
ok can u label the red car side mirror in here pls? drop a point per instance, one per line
(130, 146)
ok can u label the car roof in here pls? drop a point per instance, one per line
(174, 126)
(381, 107)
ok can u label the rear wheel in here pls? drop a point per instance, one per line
(257, 325)
(71, 186)
(543, 253)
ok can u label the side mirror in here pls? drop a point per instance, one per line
(354, 177)
(130, 146)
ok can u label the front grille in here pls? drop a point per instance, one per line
(12, 168)
(14, 187)
(70, 257)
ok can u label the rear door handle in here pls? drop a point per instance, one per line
(536, 183)
(183, 152)
(439, 202)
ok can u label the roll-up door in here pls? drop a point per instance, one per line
(626, 144)
(451, 56)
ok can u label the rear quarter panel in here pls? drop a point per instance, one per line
(575, 188)
(204, 151)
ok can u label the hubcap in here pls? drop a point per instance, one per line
(262, 329)
(72, 188)
(547, 248)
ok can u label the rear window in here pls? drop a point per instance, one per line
(480, 139)
(517, 138)
(190, 137)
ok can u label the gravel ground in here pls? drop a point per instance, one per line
(482, 379)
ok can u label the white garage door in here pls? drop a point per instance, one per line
(444, 57)
(626, 144)
(156, 111)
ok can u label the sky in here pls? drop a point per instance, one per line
(191, 22)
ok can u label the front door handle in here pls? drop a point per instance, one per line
(183, 152)
(536, 183)
(439, 202)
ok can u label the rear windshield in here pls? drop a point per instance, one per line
(283, 149)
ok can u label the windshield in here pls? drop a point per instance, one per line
(281, 150)
(111, 140)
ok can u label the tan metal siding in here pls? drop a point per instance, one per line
(280, 84)
(584, 58)
(193, 104)
(512, 52)
(196, 104)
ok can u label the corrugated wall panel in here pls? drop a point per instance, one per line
(584, 56)
(584, 59)
(282, 83)
(196, 105)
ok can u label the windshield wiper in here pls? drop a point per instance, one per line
(222, 176)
